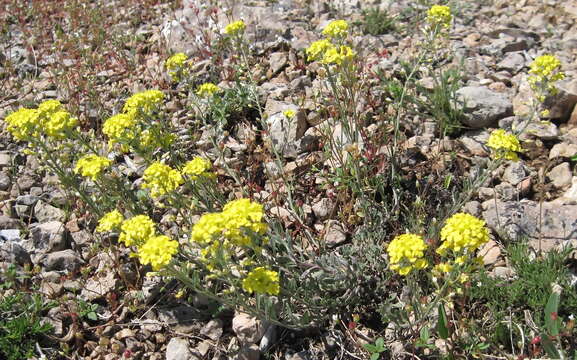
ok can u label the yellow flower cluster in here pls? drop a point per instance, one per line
(337, 55)
(547, 66)
(127, 126)
(137, 230)
(262, 281)
(176, 66)
(328, 52)
(110, 221)
(439, 15)
(442, 268)
(219, 232)
(317, 49)
(143, 103)
(157, 251)
(50, 119)
(235, 28)
(406, 253)
(289, 114)
(49, 107)
(236, 218)
(23, 123)
(504, 145)
(463, 233)
(161, 179)
(91, 166)
(545, 71)
(198, 167)
(207, 90)
(336, 29)
(59, 123)
(119, 128)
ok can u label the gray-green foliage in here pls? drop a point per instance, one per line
(531, 287)
(441, 102)
(377, 22)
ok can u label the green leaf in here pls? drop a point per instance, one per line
(375, 356)
(380, 343)
(552, 320)
(370, 348)
(92, 316)
(483, 346)
(442, 328)
(424, 334)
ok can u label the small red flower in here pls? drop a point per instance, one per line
(536, 340)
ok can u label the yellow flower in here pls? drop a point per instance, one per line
(235, 28)
(406, 253)
(289, 114)
(23, 123)
(157, 251)
(144, 103)
(439, 15)
(442, 268)
(176, 66)
(463, 233)
(241, 215)
(317, 49)
(504, 145)
(207, 228)
(59, 123)
(110, 221)
(136, 230)
(119, 127)
(49, 107)
(237, 217)
(207, 90)
(197, 167)
(337, 55)
(336, 29)
(262, 281)
(161, 179)
(547, 66)
(545, 71)
(91, 166)
(460, 260)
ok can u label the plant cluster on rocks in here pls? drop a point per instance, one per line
(288, 179)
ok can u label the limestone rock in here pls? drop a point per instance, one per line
(563, 150)
(62, 260)
(561, 175)
(483, 107)
(553, 222)
(50, 236)
(45, 212)
(248, 329)
(178, 349)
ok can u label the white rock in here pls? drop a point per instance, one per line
(483, 107)
(563, 150)
(248, 329)
(178, 349)
(560, 175)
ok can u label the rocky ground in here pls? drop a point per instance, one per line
(107, 309)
